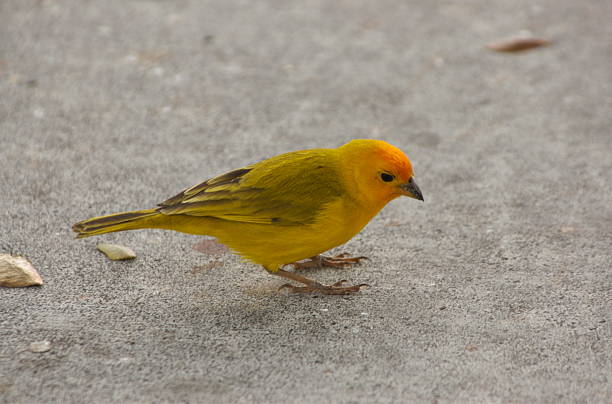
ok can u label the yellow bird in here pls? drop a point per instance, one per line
(284, 209)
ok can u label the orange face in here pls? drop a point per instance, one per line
(383, 172)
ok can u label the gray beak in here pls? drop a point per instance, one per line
(412, 190)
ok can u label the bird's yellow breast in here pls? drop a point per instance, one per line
(275, 245)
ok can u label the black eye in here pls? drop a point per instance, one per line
(386, 177)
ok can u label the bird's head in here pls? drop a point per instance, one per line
(381, 171)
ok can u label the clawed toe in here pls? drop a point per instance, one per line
(339, 261)
(314, 286)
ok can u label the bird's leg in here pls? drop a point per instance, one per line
(338, 261)
(314, 286)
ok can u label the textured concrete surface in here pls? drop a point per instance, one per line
(497, 289)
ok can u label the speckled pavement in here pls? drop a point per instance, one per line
(496, 290)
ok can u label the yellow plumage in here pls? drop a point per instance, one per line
(283, 209)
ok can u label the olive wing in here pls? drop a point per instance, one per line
(289, 189)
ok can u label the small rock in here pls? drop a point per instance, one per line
(116, 252)
(40, 346)
(104, 30)
(438, 61)
(17, 272)
(38, 113)
(158, 71)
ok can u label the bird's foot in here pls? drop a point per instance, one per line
(315, 287)
(338, 261)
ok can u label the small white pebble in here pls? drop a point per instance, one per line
(104, 30)
(40, 346)
(438, 61)
(38, 113)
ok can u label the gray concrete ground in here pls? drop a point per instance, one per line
(497, 289)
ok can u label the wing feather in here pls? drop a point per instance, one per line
(285, 190)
